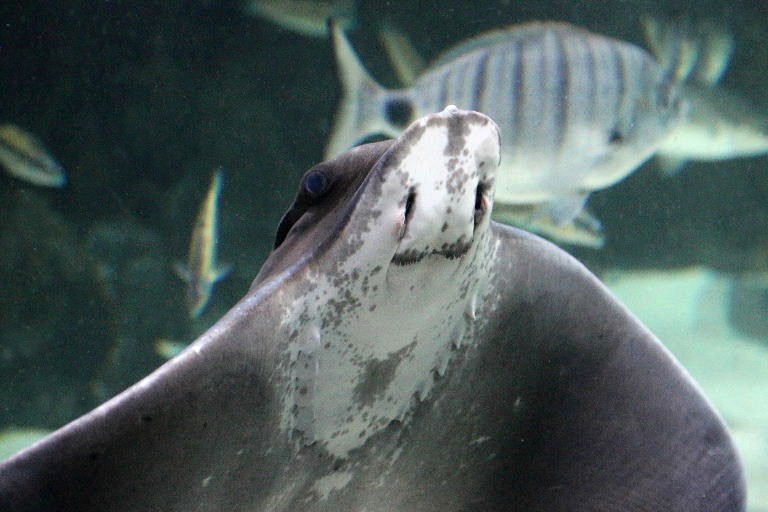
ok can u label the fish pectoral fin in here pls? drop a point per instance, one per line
(182, 271)
(670, 165)
(563, 210)
(584, 229)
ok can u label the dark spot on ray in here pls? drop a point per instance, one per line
(377, 375)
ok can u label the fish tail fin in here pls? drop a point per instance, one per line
(222, 271)
(403, 56)
(690, 49)
(360, 111)
(182, 271)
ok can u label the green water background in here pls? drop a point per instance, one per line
(141, 100)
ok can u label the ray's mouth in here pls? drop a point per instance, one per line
(449, 251)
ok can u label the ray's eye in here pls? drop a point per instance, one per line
(316, 184)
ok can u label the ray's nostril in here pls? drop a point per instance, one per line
(480, 203)
(409, 203)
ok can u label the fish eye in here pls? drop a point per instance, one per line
(398, 112)
(316, 184)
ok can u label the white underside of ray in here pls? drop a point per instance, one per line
(370, 336)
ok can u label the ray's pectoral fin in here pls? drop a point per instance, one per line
(172, 440)
(605, 418)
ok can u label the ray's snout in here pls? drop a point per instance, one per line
(445, 170)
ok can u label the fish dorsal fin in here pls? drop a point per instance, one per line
(405, 59)
(690, 49)
(529, 30)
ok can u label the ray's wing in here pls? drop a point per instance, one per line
(203, 431)
(193, 434)
(605, 418)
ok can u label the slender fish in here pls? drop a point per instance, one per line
(24, 157)
(202, 271)
(577, 111)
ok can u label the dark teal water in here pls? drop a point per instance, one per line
(141, 101)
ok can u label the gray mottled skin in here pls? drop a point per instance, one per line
(554, 397)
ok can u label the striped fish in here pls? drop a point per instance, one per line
(577, 111)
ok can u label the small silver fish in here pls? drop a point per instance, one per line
(577, 111)
(306, 17)
(201, 271)
(718, 124)
(24, 157)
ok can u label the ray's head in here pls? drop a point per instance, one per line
(426, 194)
(433, 189)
